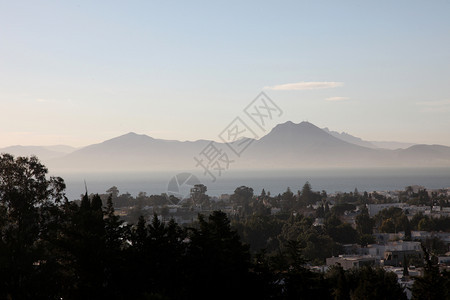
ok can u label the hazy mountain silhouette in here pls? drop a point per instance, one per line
(392, 145)
(350, 138)
(132, 152)
(425, 154)
(287, 145)
(369, 144)
(293, 145)
(43, 152)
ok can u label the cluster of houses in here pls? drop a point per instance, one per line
(398, 256)
(390, 251)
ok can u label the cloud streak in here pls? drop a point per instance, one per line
(337, 99)
(40, 100)
(434, 103)
(305, 85)
(438, 106)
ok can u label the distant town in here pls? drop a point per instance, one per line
(378, 228)
(301, 244)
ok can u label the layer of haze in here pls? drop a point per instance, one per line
(80, 72)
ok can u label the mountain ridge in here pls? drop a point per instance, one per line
(287, 145)
(392, 145)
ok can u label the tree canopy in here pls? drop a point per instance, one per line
(52, 248)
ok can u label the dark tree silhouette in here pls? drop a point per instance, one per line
(432, 285)
(29, 207)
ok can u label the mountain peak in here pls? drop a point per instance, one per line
(133, 134)
(289, 125)
(289, 131)
(129, 137)
(287, 145)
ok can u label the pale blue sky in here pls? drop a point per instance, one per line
(79, 72)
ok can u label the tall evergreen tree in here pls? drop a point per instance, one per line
(364, 223)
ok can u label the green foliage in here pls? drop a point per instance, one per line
(319, 246)
(366, 239)
(51, 248)
(422, 222)
(341, 282)
(376, 283)
(216, 255)
(260, 232)
(364, 223)
(419, 198)
(242, 197)
(308, 196)
(30, 210)
(433, 284)
(344, 234)
(436, 246)
(340, 208)
(288, 200)
(320, 212)
(392, 220)
(364, 283)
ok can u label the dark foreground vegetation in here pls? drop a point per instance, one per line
(51, 248)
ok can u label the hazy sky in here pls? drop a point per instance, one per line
(79, 72)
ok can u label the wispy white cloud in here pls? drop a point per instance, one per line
(53, 102)
(336, 99)
(40, 100)
(435, 106)
(434, 103)
(305, 85)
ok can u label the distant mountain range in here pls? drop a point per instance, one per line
(288, 145)
(372, 144)
(43, 152)
(293, 145)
